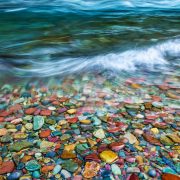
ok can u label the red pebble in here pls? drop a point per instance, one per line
(1, 119)
(72, 120)
(114, 130)
(45, 133)
(134, 177)
(92, 157)
(6, 167)
(46, 112)
(4, 113)
(30, 111)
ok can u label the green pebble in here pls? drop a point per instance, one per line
(70, 165)
(18, 146)
(32, 165)
(115, 169)
(38, 122)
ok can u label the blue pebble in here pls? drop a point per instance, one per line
(50, 154)
(121, 154)
(18, 127)
(152, 173)
(20, 166)
(106, 173)
(15, 175)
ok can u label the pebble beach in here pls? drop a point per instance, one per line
(90, 128)
(89, 90)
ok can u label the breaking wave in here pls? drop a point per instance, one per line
(161, 55)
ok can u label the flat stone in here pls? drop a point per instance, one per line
(29, 126)
(38, 122)
(32, 165)
(30, 111)
(99, 134)
(91, 169)
(71, 111)
(46, 112)
(18, 146)
(151, 139)
(70, 165)
(68, 155)
(65, 174)
(166, 141)
(167, 176)
(25, 177)
(108, 156)
(157, 104)
(3, 131)
(46, 169)
(155, 130)
(92, 157)
(20, 135)
(133, 170)
(15, 175)
(174, 137)
(6, 138)
(45, 145)
(115, 169)
(65, 137)
(116, 146)
(131, 138)
(6, 167)
(45, 133)
(57, 169)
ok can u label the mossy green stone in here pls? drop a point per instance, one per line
(50, 121)
(166, 141)
(70, 165)
(18, 146)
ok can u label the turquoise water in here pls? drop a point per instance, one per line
(47, 38)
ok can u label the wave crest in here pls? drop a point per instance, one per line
(130, 60)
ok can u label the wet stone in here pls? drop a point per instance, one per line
(38, 122)
(6, 167)
(18, 146)
(15, 175)
(69, 165)
(108, 156)
(6, 138)
(32, 165)
(91, 169)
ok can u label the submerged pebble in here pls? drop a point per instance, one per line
(79, 134)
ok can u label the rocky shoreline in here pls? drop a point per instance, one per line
(92, 128)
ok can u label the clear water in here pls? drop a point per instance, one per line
(64, 37)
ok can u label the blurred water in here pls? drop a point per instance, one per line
(60, 37)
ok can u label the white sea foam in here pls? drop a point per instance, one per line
(129, 60)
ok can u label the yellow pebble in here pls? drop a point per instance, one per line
(135, 86)
(91, 142)
(146, 168)
(69, 147)
(71, 111)
(139, 159)
(138, 148)
(85, 121)
(108, 156)
(154, 130)
(153, 149)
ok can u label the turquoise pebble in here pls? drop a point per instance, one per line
(36, 174)
(32, 165)
(56, 169)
